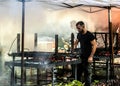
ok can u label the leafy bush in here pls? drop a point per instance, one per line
(72, 83)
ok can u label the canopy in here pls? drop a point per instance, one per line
(75, 3)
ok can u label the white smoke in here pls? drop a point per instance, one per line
(39, 20)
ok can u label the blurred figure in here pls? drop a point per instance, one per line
(88, 47)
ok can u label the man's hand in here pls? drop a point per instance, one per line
(90, 59)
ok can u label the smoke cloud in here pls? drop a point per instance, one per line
(46, 22)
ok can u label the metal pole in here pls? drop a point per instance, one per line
(72, 42)
(22, 44)
(35, 40)
(111, 43)
(18, 42)
(56, 44)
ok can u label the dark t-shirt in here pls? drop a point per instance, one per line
(85, 43)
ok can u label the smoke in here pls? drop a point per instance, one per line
(44, 21)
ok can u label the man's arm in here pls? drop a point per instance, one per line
(75, 43)
(94, 46)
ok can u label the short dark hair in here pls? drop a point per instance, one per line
(80, 23)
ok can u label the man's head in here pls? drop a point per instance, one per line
(80, 26)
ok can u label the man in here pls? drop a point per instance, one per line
(88, 47)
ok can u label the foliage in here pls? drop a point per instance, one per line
(72, 83)
(95, 82)
(75, 83)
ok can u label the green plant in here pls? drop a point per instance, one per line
(75, 83)
(72, 83)
(95, 82)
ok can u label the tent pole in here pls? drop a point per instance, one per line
(111, 50)
(22, 45)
